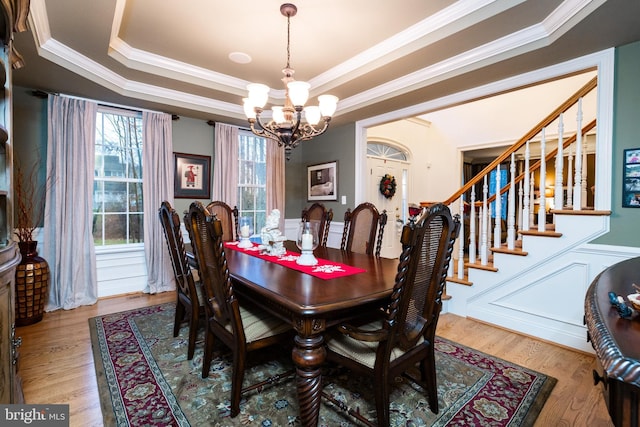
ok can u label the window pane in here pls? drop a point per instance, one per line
(115, 196)
(115, 229)
(247, 199)
(135, 197)
(97, 229)
(261, 198)
(260, 219)
(98, 195)
(260, 174)
(136, 233)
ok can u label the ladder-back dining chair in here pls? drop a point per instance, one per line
(404, 334)
(242, 328)
(318, 213)
(360, 228)
(188, 291)
(227, 216)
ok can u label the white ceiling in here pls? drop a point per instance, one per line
(488, 125)
(375, 55)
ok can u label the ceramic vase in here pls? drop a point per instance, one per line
(32, 285)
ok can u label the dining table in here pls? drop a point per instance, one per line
(312, 305)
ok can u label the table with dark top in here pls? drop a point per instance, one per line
(616, 341)
(312, 305)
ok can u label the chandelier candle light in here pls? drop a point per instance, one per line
(286, 126)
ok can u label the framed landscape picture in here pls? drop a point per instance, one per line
(322, 181)
(192, 179)
(631, 179)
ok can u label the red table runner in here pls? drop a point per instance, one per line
(325, 269)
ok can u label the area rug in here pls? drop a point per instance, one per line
(144, 379)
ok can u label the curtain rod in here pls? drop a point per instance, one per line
(44, 94)
(213, 124)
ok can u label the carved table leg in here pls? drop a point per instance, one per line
(308, 355)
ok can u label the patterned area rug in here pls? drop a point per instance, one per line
(145, 379)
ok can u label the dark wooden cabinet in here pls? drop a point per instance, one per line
(616, 342)
(13, 16)
(10, 385)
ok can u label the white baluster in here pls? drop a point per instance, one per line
(461, 240)
(520, 205)
(497, 229)
(542, 211)
(484, 228)
(532, 195)
(472, 227)
(511, 206)
(570, 176)
(558, 202)
(489, 228)
(577, 181)
(526, 207)
(583, 183)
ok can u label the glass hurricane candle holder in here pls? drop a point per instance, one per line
(245, 224)
(307, 241)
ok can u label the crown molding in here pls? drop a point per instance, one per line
(457, 16)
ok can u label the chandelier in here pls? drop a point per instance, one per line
(286, 125)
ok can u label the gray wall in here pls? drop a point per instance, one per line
(337, 144)
(30, 136)
(192, 136)
(624, 229)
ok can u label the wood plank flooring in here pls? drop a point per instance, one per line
(56, 363)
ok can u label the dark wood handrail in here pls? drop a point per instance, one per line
(528, 136)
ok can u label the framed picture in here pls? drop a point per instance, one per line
(322, 181)
(192, 176)
(631, 179)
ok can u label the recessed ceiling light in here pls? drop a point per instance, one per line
(239, 57)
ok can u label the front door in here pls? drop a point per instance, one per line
(377, 168)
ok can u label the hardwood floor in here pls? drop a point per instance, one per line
(56, 363)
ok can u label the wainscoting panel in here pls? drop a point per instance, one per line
(121, 272)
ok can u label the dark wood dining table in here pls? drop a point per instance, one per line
(312, 305)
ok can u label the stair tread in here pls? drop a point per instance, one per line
(546, 233)
(455, 279)
(478, 265)
(505, 250)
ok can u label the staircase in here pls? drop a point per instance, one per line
(532, 278)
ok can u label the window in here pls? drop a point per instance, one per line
(252, 178)
(117, 188)
(385, 151)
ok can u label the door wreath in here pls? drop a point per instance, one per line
(388, 186)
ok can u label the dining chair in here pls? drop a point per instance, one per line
(318, 213)
(188, 291)
(360, 227)
(227, 216)
(403, 335)
(241, 327)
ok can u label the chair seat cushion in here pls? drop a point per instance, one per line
(259, 324)
(363, 352)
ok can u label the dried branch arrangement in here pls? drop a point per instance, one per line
(29, 202)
